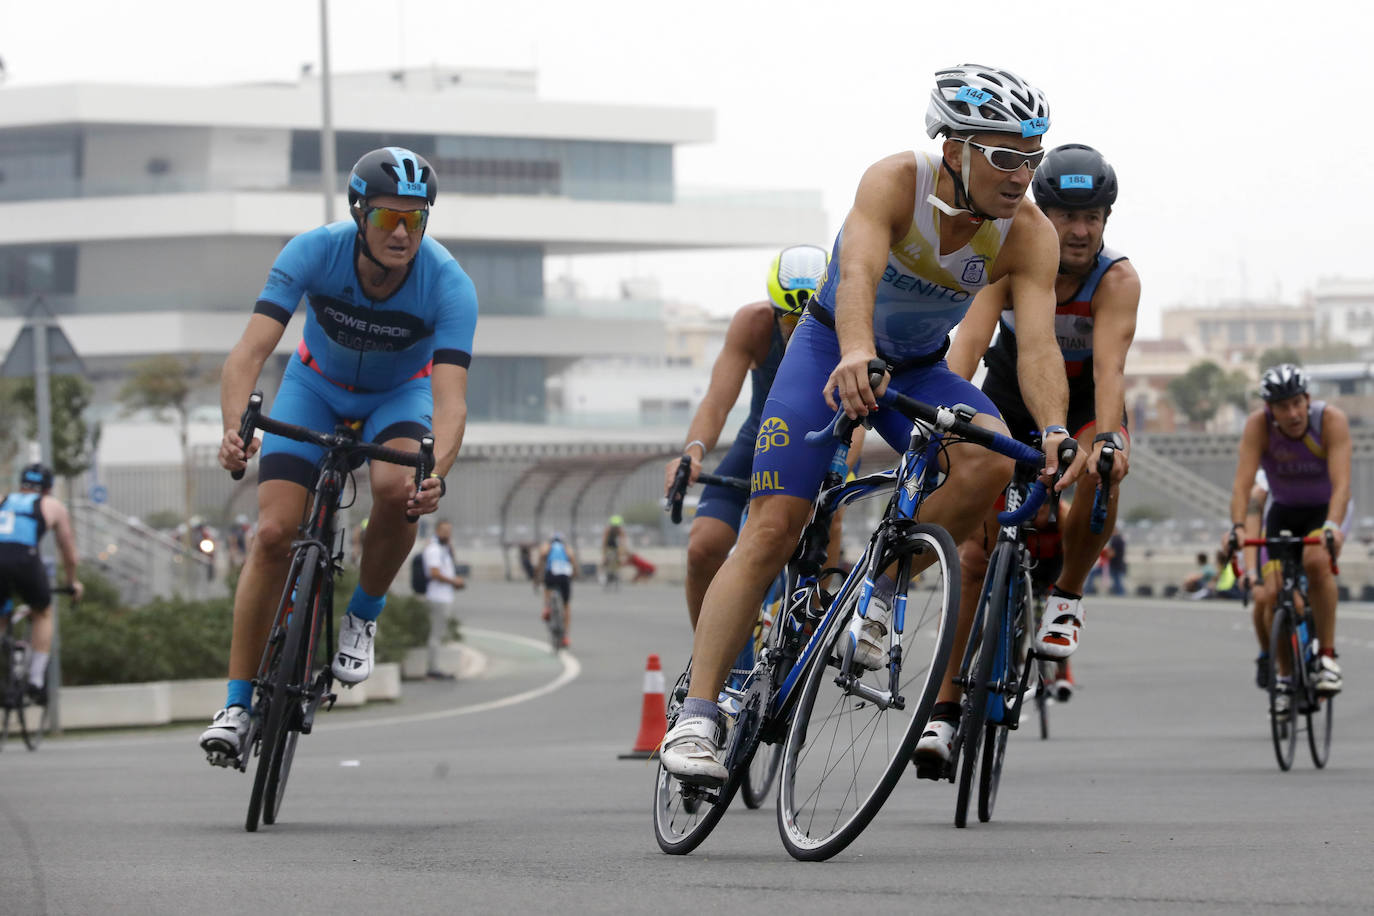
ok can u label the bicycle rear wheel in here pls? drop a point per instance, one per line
(685, 815)
(978, 677)
(1283, 703)
(846, 750)
(12, 698)
(34, 719)
(556, 621)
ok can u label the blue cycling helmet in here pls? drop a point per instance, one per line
(392, 170)
(37, 475)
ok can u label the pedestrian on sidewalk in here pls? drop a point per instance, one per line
(443, 582)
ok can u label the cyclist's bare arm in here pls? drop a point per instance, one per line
(1114, 318)
(975, 330)
(1030, 262)
(241, 370)
(737, 355)
(1253, 439)
(60, 521)
(881, 216)
(1336, 432)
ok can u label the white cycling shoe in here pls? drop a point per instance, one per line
(936, 746)
(222, 742)
(353, 662)
(691, 752)
(1060, 626)
(870, 644)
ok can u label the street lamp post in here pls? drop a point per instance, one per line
(328, 166)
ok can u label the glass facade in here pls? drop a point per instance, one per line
(509, 278)
(39, 163)
(581, 169)
(506, 389)
(28, 270)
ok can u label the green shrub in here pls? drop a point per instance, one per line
(104, 642)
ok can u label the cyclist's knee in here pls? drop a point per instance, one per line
(391, 492)
(274, 536)
(973, 557)
(771, 533)
(981, 472)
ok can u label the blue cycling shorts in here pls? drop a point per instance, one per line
(727, 503)
(308, 399)
(784, 462)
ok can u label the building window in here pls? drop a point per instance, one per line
(1235, 332)
(28, 270)
(1264, 332)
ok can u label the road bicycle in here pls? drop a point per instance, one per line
(294, 678)
(554, 620)
(847, 732)
(757, 781)
(20, 709)
(1294, 652)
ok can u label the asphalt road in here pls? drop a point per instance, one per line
(1157, 793)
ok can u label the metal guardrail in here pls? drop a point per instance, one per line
(142, 563)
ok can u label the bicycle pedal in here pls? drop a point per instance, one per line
(932, 771)
(330, 698)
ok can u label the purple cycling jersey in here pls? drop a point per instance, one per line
(1297, 468)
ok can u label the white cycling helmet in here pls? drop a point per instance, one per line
(972, 98)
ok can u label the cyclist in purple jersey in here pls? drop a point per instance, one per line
(387, 344)
(926, 231)
(1305, 449)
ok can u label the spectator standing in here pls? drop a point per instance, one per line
(443, 582)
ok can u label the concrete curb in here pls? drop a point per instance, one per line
(457, 658)
(164, 702)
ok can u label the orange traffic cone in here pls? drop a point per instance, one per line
(652, 717)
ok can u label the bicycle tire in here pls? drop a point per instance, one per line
(556, 621)
(271, 693)
(819, 816)
(684, 816)
(996, 736)
(1042, 703)
(1283, 727)
(302, 635)
(13, 688)
(979, 675)
(1319, 712)
(757, 783)
(33, 736)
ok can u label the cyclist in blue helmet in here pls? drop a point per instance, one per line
(387, 340)
(25, 516)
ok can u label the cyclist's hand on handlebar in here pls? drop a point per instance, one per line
(670, 472)
(1051, 445)
(1120, 465)
(426, 501)
(1335, 540)
(850, 378)
(232, 455)
(77, 591)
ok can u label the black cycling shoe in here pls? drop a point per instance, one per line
(1262, 671)
(38, 694)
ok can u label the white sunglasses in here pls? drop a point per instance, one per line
(1007, 159)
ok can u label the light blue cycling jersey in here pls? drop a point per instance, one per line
(558, 563)
(21, 519)
(364, 344)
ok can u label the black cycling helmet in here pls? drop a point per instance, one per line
(37, 475)
(392, 170)
(1278, 383)
(1074, 177)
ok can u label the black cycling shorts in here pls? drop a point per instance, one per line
(22, 574)
(560, 584)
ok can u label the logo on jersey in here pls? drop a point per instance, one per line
(927, 288)
(772, 434)
(764, 480)
(973, 270)
(278, 277)
(358, 328)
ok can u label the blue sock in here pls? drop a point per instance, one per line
(240, 693)
(697, 708)
(365, 606)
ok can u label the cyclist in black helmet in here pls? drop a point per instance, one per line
(387, 341)
(25, 516)
(1097, 293)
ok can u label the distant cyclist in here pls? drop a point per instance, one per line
(24, 518)
(1305, 449)
(754, 344)
(559, 563)
(613, 551)
(1097, 294)
(388, 339)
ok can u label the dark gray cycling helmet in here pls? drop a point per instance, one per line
(37, 475)
(1278, 383)
(1074, 177)
(392, 170)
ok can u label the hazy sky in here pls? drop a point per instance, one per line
(1241, 134)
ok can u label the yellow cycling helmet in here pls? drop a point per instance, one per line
(794, 276)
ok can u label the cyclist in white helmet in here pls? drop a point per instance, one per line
(926, 232)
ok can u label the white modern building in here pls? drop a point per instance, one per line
(147, 216)
(1343, 309)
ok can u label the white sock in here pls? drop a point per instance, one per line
(38, 668)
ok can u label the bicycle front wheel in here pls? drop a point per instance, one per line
(556, 621)
(1284, 697)
(33, 722)
(1018, 663)
(978, 674)
(1319, 712)
(846, 750)
(299, 652)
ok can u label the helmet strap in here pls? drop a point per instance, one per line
(362, 243)
(963, 201)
